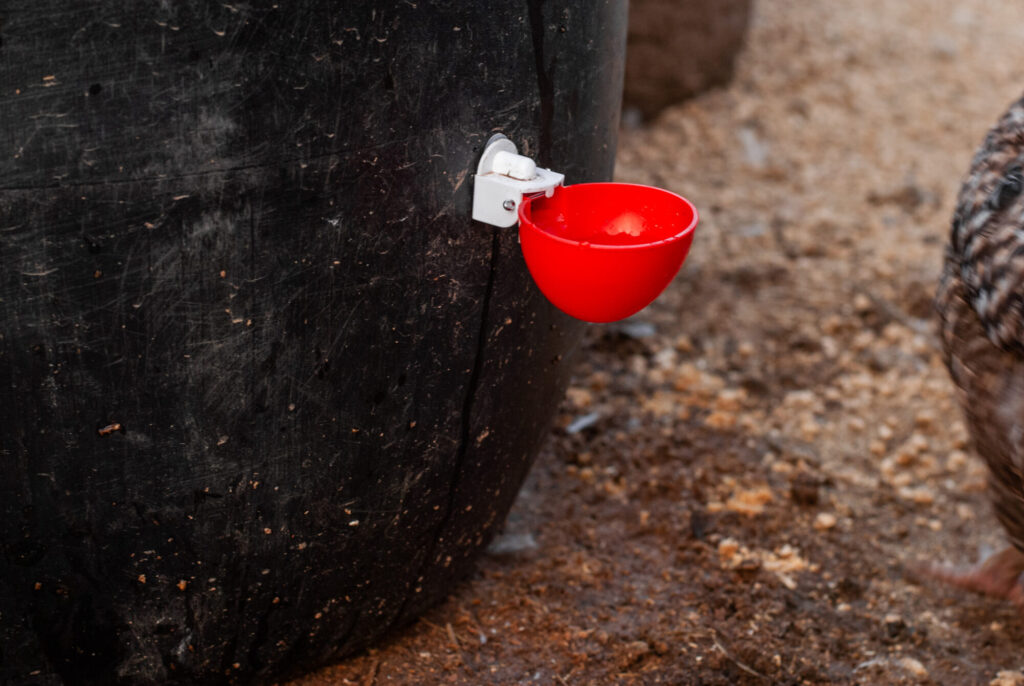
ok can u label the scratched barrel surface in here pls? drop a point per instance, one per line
(265, 389)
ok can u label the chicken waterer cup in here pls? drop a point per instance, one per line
(598, 251)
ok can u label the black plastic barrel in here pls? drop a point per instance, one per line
(265, 388)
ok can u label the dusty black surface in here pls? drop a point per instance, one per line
(264, 388)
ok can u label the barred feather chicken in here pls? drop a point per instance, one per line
(981, 306)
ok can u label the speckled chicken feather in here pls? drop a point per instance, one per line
(981, 304)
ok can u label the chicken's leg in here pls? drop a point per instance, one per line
(997, 575)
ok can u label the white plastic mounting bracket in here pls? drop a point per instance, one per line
(502, 178)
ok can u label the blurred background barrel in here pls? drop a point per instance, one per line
(265, 389)
(680, 48)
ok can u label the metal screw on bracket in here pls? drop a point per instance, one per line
(503, 177)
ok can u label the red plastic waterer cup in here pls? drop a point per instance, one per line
(603, 251)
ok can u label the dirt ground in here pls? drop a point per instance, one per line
(740, 474)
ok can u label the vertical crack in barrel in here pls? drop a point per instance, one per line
(464, 429)
(545, 86)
